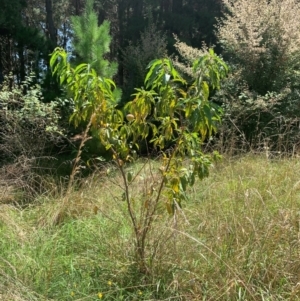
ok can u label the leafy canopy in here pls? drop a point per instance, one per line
(168, 108)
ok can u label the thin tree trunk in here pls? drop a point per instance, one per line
(51, 30)
(22, 72)
(77, 7)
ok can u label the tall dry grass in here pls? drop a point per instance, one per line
(237, 238)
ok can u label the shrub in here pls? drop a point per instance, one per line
(262, 38)
(29, 129)
(255, 123)
(261, 41)
(187, 56)
(152, 44)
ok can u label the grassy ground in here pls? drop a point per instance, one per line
(238, 238)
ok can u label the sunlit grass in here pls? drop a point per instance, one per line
(236, 239)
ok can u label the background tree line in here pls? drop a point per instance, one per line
(259, 40)
(29, 30)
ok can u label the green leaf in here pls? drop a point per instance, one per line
(208, 116)
(184, 182)
(205, 90)
(153, 66)
(175, 185)
(129, 176)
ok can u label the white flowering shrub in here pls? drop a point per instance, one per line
(261, 41)
(262, 37)
(187, 56)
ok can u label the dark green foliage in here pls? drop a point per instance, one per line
(19, 43)
(192, 21)
(10, 14)
(136, 56)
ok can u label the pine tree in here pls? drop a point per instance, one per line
(91, 42)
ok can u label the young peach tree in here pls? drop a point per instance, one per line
(169, 109)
